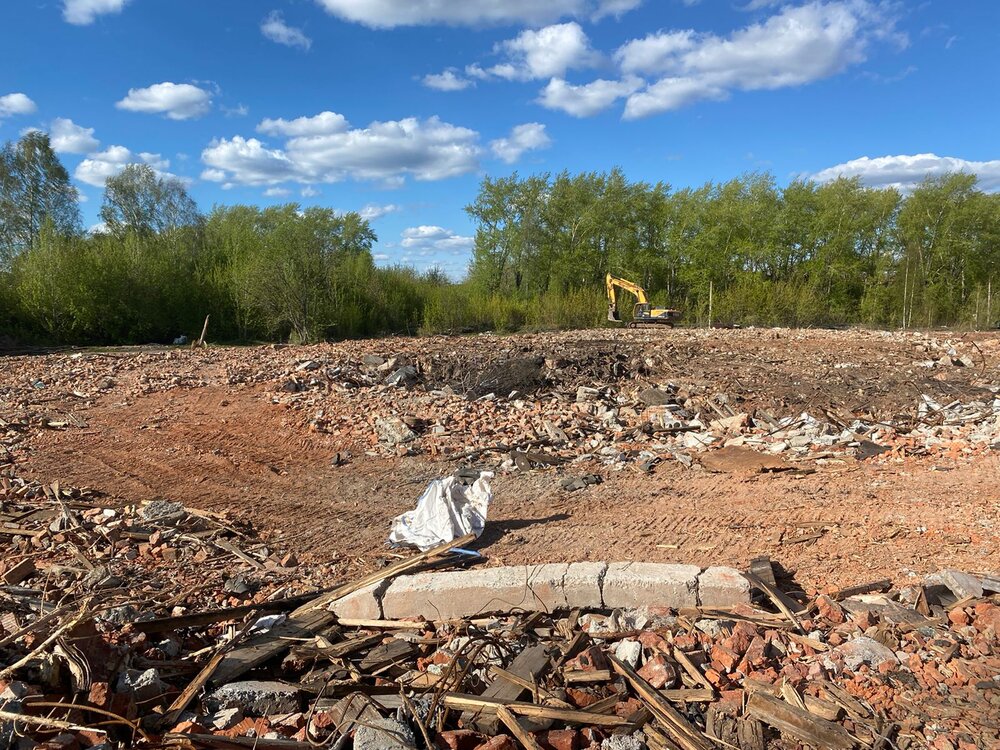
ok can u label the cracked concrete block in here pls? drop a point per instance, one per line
(722, 587)
(628, 585)
(582, 585)
(471, 593)
(363, 604)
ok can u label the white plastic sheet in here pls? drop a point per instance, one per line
(447, 510)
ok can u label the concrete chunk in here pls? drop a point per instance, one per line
(470, 593)
(628, 585)
(722, 587)
(256, 697)
(363, 604)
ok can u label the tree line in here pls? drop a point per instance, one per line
(745, 251)
(157, 266)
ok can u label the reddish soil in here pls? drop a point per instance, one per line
(222, 447)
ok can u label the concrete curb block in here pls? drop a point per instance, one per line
(547, 588)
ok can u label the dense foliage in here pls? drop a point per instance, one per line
(745, 251)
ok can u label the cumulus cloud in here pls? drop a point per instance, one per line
(795, 46)
(98, 167)
(383, 151)
(904, 172)
(544, 53)
(16, 104)
(530, 136)
(84, 12)
(391, 13)
(449, 80)
(176, 101)
(275, 29)
(277, 192)
(373, 211)
(69, 138)
(427, 240)
(324, 123)
(309, 192)
(586, 99)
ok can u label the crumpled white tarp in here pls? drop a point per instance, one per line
(447, 510)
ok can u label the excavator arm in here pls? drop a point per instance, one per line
(612, 283)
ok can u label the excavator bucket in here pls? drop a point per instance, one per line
(613, 314)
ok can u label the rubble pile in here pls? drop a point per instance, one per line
(626, 396)
(159, 625)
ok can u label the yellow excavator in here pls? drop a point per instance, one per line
(643, 312)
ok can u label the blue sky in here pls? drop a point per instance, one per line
(397, 108)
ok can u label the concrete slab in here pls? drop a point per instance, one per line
(629, 585)
(582, 585)
(722, 587)
(471, 593)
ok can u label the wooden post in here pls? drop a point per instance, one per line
(710, 289)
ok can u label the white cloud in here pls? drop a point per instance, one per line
(384, 151)
(587, 99)
(277, 192)
(16, 104)
(546, 53)
(797, 45)
(391, 13)
(275, 29)
(84, 12)
(904, 172)
(98, 167)
(654, 53)
(325, 123)
(373, 211)
(69, 138)
(426, 240)
(176, 101)
(449, 80)
(309, 192)
(530, 136)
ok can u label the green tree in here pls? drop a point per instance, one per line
(139, 200)
(34, 189)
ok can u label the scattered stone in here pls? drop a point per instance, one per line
(256, 697)
(384, 734)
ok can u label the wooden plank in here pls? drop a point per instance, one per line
(678, 728)
(20, 572)
(268, 645)
(543, 694)
(211, 616)
(778, 598)
(510, 721)
(798, 723)
(529, 665)
(883, 584)
(477, 704)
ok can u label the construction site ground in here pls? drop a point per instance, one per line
(222, 430)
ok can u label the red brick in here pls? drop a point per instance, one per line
(958, 617)
(559, 739)
(591, 660)
(727, 659)
(459, 739)
(500, 742)
(658, 672)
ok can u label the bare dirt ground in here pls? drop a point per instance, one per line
(224, 430)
